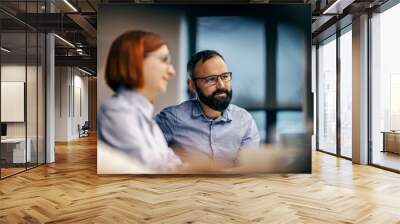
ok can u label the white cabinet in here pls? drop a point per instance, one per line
(18, 149)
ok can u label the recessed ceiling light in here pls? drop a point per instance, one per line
(84, 71)
(5, 50)
(64, 40)
(337, 7)
(70, 5)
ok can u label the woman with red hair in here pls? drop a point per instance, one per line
(138, 69)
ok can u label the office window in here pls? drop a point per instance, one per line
(290, 66)
(263, 81)
(290, 122)
(327, 95)
(346, 93)
(261, 121)
(385, 88)
(246, 61)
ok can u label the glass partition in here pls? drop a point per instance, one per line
(15, 151)
(22, 87)
(31, 99)
(41, 96)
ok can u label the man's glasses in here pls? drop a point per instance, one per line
(164, 58)
(213, 79)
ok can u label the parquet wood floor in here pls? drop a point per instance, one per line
(10, 171)
(70, 191)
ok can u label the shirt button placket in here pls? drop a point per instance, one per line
(211, 139)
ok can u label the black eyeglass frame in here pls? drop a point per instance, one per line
(218, 77)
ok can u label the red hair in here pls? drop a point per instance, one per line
(124, 67)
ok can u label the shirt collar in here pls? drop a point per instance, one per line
(139, 101)
(197, 112)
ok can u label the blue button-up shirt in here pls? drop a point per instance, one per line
(185, 127)
(125, 123)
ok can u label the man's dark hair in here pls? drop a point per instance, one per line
(201, 56)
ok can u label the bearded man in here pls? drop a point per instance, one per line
(209, 124)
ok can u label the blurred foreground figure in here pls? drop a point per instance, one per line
(252, 160)
(138, 69)
(267, 159)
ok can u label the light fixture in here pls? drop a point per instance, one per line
(84, 71)
(337, 7)
(80, 51)
(329, 9)
(5, 50)
(70, 5)
(64, 40)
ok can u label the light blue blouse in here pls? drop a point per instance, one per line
(125, 123)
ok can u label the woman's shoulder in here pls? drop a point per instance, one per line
(118, 109)
(117, 103)
(118, 122)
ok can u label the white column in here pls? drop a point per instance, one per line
(50, 92)
(314, 94)
(360, 90)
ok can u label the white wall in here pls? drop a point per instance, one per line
(113, 20)
(69, 82)
(12, 73)
(61, 103)
(79, 117)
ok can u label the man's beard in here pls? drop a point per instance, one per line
(216, 103)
